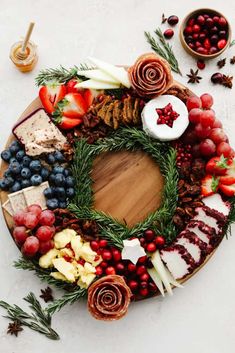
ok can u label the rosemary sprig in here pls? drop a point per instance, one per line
(163, 49)
(60, 75)
(67, 298)
(39, 320)
(231, 219)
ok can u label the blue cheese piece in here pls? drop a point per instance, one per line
(34, 195)
(39, 134)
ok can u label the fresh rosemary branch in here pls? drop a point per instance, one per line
(39, 320)
(60, 75)
(231, 219)
(67, 298)
(163, 49)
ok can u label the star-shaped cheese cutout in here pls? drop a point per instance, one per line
(132, 250)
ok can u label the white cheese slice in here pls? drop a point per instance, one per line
(61, 239)
(163, 132)
(66, 268)
(192, 249)
(45, 261)
(17, 201)
(118, 73)
(208, 220)
(97, 75)
(39, 123)
(34, 195)
(215, 202)
(93, 84)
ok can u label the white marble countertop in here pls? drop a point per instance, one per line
(198, 318)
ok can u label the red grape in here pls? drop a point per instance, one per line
(207, 118)
(225, 149)
(207, 101)
(31, 220)
(217, 135)
(45, 246)
(45, 233)
(196, 150)
(202, 132)
(189, 137)
(193, 102)
(31, 246)
(36, 209)
(194, 115)
(20, 234)
(207, 147)
(19, 218)
(47, 218)
(217, 123)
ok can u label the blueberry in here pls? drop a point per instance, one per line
(7, 173)
(67, 172)
(50, 158)
(70, 192)
(3, 184)
(15, 187)
(59, 156)
(15, 167)
(26, 161)
(62, 204)
(69, 181)
(52, 179)
(52, 204)
(49, 193)
(12, 160)
(59, 179)
(20, 155)
(26, 173)
(45, 173)
(57, 169)
(35, 166)
(9, 181)
(14, 147)
(60, 193)
(25, 183)
(6, 155)
(36, 179)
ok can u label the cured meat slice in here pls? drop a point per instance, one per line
(178, 261)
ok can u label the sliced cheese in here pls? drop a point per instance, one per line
(45, 261)
(63, 238)
(66, 268)
(97, 75)
(93, 84)
(76, 245)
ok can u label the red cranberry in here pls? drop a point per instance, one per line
(200, 20)
(152, 287)
(149, 234)
(207, 43)
(168, 33)
(191, 22)
(144, 292)
(143, 284)
(198, 44)
(133, 285)
(189, 39)
(195, 35)
(140, 270)
(103, 243)
(196, 28)
(201, 36)
(151, 247)
(221, 43)
(209, 22)
(98, 270)
(216, 19)
(142, 241)
(116, 255)
(214, 30)
(188, 30)
(120, 267)
(110, 270)
(131, 267)
(103, 264)
(222, 22)
(159, 241)
(192, 46)
(213, 50)
(201, 50)
(206, 16)
(201, 64)
(217, 78)
(214, 39)
(107, 255)
(222, 34)
(173, 20)
(145, 277)
(94, 245)
(142, 259)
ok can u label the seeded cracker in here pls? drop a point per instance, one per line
(17, 201)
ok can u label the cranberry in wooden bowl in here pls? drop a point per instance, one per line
(205, 33)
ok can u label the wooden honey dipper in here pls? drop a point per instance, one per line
(21, 53)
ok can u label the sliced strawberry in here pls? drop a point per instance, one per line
(68, 123)
(217, 165)
(50, 95)
(229, 177)
(209, 185)
(228, 190)
(71, 86)
(74, 106)
(89, 97)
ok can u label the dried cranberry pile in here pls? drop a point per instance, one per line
(206, 33)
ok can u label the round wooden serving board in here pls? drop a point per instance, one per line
(126, 185)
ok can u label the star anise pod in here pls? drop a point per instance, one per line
(14, 328)
(232, 60)
(227, 81)
(193, 76)
(164, 19)
(47, 295)
(221, 63)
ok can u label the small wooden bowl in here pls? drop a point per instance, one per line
(191, 51)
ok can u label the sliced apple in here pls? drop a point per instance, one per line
(98, 75)
(160, 268)
(93, 84)
(118, 73)
(156, 279)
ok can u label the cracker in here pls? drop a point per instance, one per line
(17, 201)
(7, 207)
(34, 195)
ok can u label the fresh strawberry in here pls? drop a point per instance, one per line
(68, 123)
(217, 165)
(89, 97)
(209, 185)
(74, 106)
(71, 86)
(50, 95)
(229, 177)
(228, 190)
